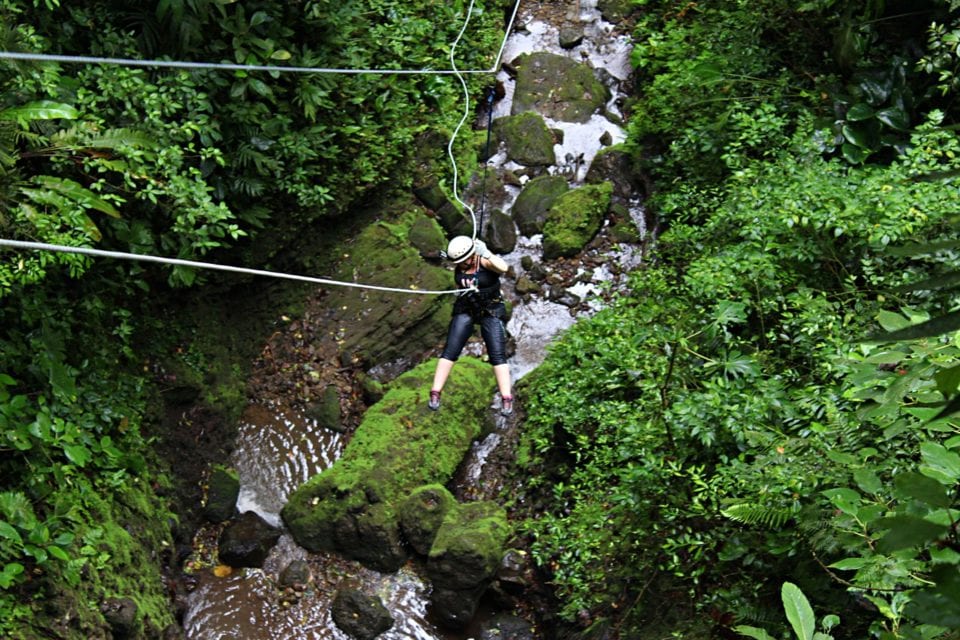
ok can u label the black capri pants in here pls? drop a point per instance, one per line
(491, 329)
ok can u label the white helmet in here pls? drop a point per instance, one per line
(459, 249)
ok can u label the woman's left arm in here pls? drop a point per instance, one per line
(490, 260)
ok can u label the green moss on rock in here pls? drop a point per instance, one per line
(399, 446)
(382, 326)
(530, 209)
(557, 87)
(422, 513)
(527, 139)
(574, 219)
(469, 546)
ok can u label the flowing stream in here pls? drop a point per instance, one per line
(277, 448)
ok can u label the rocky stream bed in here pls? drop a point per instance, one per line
(565, 212)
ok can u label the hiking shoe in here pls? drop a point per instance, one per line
(434, 403)
(506, 405)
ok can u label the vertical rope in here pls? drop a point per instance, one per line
(486, 157)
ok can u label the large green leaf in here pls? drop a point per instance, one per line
(860, 111)
(948, 380)
(78, 193)
(933, 327)
(895, 118)
(798, 610)
(854, 154)
(753, 632)
(865, 135)
(905, 531)
(917, 486)
(939, 605)
(40, 110)
(940, 463)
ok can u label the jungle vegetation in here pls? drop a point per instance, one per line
(744, 432)
(764, 428)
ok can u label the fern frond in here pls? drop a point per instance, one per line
(757, 514)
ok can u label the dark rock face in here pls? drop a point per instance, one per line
(295, 573)
(615, 165)
(505, 627)
(362, 616)
(499, 232)
(223, 489)
(246, 541)
(557, 87)
(121, 615)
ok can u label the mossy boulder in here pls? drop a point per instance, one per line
(422, 514)
(614, 164)
(383, 326)
(426, 236)
(464, 558)
(574, 219)
(326, 409)
(557, 87)
(615, 10)
(527, 139)
(530, 209)
(353, 507)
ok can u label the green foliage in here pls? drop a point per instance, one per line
(725, 418)
(800, 615)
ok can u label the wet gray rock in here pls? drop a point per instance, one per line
(563, 296)
(422, 514)
(246, 541)
(360, 615)
(294, 574)
(499, 232)
(507, 627)
(223, 488)
(557, 87)
(530, 209)
(121, 615)
(527, 139)
(525, 285)
(516, 572)
(571, 35)
(455, 608)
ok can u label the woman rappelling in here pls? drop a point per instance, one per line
(478, 271)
